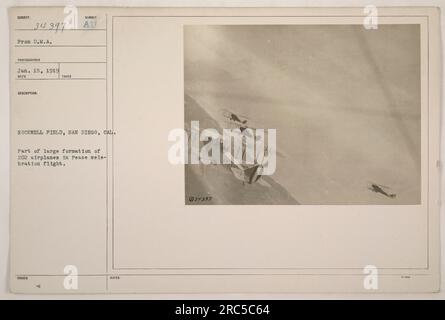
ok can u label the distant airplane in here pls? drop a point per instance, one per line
(234, 117)
(374, 187)
(239, 120)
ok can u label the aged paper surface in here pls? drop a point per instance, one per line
(122, 179)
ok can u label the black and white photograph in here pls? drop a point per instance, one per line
(344, 100)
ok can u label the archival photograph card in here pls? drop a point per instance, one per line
(224, 150)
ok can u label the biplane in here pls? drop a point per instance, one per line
(247, 173)
(378, 188)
